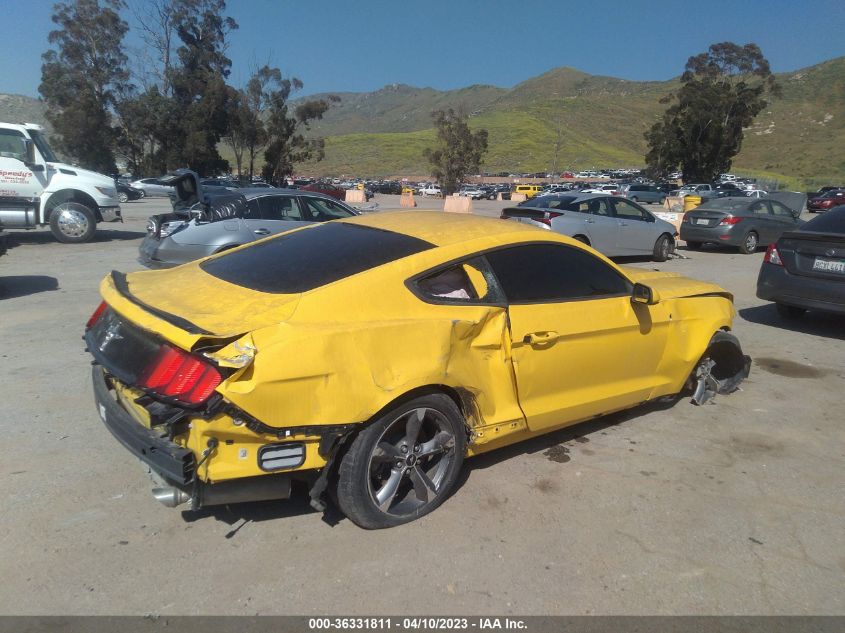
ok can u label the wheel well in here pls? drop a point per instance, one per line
(582, 238)
(71, 195)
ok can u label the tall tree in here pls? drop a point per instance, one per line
(285, 127)
(81, 77)
(459, 150)
(701, 131)
(198, 82)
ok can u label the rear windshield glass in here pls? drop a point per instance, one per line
(313, 257)
(831, 222)
(726, 204)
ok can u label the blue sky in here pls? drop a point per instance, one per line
(362, 45)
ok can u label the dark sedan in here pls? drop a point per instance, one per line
(741, 222)
(125, 193)
(826, 201)
(805, 269)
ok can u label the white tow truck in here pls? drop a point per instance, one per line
(38, 190)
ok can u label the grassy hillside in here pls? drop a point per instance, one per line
(600, 122)
(596, 121)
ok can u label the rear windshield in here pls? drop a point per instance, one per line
(310, 258)
(726, 204)
(831, 222)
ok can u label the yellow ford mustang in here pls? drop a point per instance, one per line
(368, 357)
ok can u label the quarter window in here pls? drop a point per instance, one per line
(759, 208)
(781, 209)
(471, 281)
(535, 273)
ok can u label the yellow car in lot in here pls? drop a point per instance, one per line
(528, 190)
(369, 357)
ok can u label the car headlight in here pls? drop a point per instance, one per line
(169, 228)
(108, 192)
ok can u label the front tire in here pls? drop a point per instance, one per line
(403, 465)
(72, 223)
(663, 248)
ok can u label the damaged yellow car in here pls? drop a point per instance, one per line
(369, 357)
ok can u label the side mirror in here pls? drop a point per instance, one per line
(644, 295)
(29, 150)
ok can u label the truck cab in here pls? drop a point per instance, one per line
(36, 189)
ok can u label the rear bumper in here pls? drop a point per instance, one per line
(716, 234)
(775, 283)
(172, 462)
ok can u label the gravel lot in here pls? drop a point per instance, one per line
(736, 507)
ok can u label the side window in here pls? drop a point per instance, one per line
(465, 282)
(252, 211)
(759, 208)
(12, 144)
(594, 206)
(323, 210)
(781, 210)
(535, 273)
(628, 210)
(279, 208)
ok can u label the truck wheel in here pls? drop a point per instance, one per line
(404, 464)
(72, 223)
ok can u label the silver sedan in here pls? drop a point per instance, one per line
(612, 225)
(225, 219)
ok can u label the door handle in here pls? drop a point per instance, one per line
(538, 338)
(588, 221)
(623, 224)
(262, 231)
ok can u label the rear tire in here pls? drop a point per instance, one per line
(663, 248)
(749, 243)
(122, 197)
(790, 312)
(404, 464)
(143, 194)
(72, 223)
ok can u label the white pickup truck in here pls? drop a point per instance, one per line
(38, 190)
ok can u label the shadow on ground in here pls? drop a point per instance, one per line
(22, 285)
(240, 514)
(22, 238)
(816, 323)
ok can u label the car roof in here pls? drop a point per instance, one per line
(446, 229)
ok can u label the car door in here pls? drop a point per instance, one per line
(269, 215)
(18, 181)
(783, 218)
(636, 234)
(599, 225)
(580, 347)
(764, 221)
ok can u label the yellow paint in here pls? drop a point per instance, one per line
(341, 353)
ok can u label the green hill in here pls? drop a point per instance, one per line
(595, 121)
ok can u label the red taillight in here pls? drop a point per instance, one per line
(730, 221)
(178, 375)
(772, 256)
(685, 219)
(550, 215)
(96, 316)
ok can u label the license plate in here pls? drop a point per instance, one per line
(829, 265)
(702, 221)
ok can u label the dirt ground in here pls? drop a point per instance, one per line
(736, 507)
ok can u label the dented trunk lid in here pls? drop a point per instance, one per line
(185, 305)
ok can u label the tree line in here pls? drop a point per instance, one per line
(168, 105)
